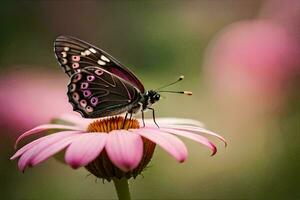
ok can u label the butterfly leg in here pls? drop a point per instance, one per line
(143, 118)
(124, 120)
(130, 120)
(153, 114)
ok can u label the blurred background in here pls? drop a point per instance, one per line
(241, 59)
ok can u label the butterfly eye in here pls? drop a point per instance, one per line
(87, 93)
(157, 97)
(99, 72)
(94, 101)
(90, 78)
(83, 103)
(84, 85)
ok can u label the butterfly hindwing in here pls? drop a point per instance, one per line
(74, 54)
(94, 92)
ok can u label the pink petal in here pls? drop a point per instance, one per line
(124, 149)
(75, 119)
(174, 146)
(34, 143)
(170, 121)
(51, 150)
(42, 128)
(43, 143)
(26, 147)
(85, 149)
(197, 129)
(195, 137)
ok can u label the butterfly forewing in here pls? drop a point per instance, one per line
(74, 54)
(95, 92)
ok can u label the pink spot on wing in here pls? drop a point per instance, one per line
(83, 103)
(94, 101)
(75, 96)
(75, 65)
(90, 78)
(99, 72)
(84, 85)
(77, 77)
(89, 109)
(76, 58)
(72, 87)
(87, 93)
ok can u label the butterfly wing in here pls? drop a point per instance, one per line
(74, 54)
(94, 93)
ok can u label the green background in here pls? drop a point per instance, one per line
(158, 40)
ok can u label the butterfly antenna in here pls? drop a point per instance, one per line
(189, 93)
(179, 79)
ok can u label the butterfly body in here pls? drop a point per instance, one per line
(100, 85)
(145, 102)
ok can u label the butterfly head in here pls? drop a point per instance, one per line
(153, 95)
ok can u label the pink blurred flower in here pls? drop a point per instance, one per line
(253, 60)
(96, 143)
(29, 98)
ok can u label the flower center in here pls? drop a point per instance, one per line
(113, 123)
(102, 166)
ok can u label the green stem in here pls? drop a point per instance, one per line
(122, 188)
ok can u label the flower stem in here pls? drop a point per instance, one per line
(122, 188)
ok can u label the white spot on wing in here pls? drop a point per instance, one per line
(83, 54)
(87, 52)
(104, 58)
(92, 50)
(100, 62)
(66, 48)
(64, 54)
(64, 61)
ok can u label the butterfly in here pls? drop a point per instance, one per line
(100, 85)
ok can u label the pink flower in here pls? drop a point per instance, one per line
(253, 61)
(101, 145)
